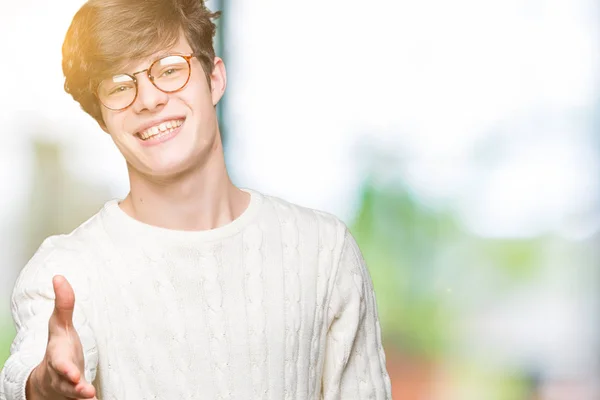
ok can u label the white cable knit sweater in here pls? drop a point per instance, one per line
(277, 304)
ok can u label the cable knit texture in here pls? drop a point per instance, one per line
(278, 304)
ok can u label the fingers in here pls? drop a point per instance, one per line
(85, 391)
(64, 386)
(64, 301)
(80, 391)
(66, 389)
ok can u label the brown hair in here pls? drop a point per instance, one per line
(106, 35)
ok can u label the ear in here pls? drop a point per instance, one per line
(218, 80)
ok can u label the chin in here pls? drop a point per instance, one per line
(169, 170)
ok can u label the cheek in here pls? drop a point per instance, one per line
(197, 95)
(117, 125)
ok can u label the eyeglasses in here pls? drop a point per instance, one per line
(168, 74)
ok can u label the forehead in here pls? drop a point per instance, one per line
(130, 66)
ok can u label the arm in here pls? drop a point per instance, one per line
(38, 319)
(354, 359)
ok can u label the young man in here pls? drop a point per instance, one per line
(189, 288)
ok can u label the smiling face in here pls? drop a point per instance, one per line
(165, 134)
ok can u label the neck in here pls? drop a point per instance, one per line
(202, 198)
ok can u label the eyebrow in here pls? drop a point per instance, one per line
(161, 54)
(150, 60)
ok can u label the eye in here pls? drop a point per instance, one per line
(118, 89)
(168, 72)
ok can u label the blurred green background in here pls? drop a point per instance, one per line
(459, 142)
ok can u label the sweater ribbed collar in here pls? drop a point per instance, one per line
(122, 227)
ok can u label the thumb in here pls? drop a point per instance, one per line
(64, 301)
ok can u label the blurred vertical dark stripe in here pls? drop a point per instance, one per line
(221, 51)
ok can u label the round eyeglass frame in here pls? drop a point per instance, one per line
(186, 57)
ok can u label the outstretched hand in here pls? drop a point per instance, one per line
(60, 375)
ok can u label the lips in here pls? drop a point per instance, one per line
(161, 128)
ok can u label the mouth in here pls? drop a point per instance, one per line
(160, 130)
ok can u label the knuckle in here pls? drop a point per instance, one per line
(54, 381)
(66, 389)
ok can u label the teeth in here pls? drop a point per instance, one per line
(163, 128)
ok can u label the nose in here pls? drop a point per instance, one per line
(149, 98)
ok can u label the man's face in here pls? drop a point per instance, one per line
(185, 121)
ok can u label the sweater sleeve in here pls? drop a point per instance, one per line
(354, 366)
(32, 304)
